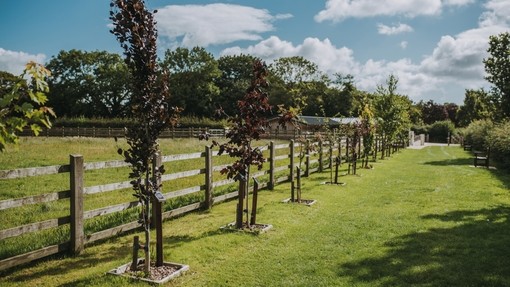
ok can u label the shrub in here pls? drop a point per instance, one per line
(420, 129)
(477, 134)
(439, 131)
(499, 140)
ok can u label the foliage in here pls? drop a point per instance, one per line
(89, 84)
(392, 112)
(478, 105)
(135, 29)
(297, 82)
(193, 73)
(22, 103)
(432, 112)
(248, 124)
(499, 140)
(477, 134)
(497, 66)
(440, 130)
(368, 130)
(236, 75)
(420, 129)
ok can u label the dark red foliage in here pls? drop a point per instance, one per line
(249, 124)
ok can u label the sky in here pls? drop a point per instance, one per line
(434, 47)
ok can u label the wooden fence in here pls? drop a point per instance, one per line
(281, 163)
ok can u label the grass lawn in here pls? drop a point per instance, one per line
(421, 218)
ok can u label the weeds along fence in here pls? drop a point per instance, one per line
(40, 219)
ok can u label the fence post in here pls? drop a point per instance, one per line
(330, 165)
(208, 177)
(157, 216)
(271, 165)
(321, 157)
(291, 165)
(307, 162)
(76, 187)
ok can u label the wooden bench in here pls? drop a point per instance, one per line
(482, 158)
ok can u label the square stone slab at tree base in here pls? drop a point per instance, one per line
(160, 274)
(307, 202)
(254, 228)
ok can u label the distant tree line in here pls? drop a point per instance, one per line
(98, 85)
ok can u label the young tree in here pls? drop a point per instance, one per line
(248, 124)
(22, 103)
(392, 112)
(135, 29)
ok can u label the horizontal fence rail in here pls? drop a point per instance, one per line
(282, 160)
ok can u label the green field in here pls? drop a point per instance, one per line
(420, 218)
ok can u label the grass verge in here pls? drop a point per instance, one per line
(421, 218)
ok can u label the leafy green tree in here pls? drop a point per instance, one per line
(342, 98)
(90, 84)
(478, 105)
(236, 75)
(297, 82)
(497, 66)
(392, 112)
(193, 73)
(22, 103)
(135, 29)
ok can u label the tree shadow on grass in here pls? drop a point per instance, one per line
(455, 161)
(473, 253)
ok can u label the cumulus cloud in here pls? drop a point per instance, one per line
(339, 10)
(393, 30)
(329, 58)
(204, 25)
(14, 61)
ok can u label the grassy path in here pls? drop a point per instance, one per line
(421, 218)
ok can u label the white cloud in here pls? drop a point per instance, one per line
(204, 25)
(338, 10)
(14, 62)
(404, 45)
(393, 30)
(329, 58)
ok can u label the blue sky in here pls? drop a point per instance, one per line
(434, 47)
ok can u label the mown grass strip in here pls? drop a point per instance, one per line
(422, 217)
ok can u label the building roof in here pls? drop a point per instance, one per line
(319, 121)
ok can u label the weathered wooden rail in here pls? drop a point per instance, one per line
(77, 192)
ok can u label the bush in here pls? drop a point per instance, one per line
(439, 131)
(420, 129)
(477, 134)
(499, 141)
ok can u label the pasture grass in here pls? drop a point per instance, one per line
(420, 218)
(33, 152)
